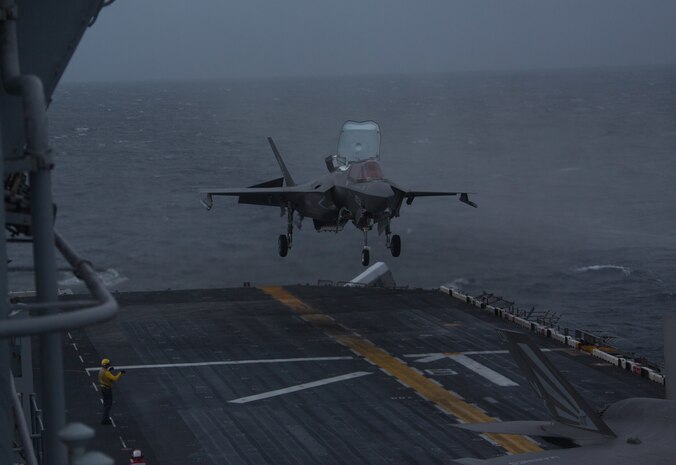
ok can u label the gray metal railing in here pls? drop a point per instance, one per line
(37, 427)
(22, 425)
(102, 309)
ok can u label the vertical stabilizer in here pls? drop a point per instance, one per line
(287, 176)
(563, 402)
(670, 355)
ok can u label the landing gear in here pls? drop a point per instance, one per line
(284, 241)
(393, 242)
(395, 245)
(283, 245)
(366, 251)
(365, 256)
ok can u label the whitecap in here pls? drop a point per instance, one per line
(110, 278)
(458, 283)
(584, 269)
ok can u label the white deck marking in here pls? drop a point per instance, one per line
(482, 370)
(81, 359)
(95, 388)
(300, 387)
(433, 356)
(226, 362)
(440, 372)
(430, 358)
(113, 422)
(124, 445)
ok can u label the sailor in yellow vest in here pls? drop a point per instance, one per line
(106, 380)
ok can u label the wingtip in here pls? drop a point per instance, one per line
(464, 198)
(207, 201)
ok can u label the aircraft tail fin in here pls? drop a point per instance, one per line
(282, 166)
(562, 401)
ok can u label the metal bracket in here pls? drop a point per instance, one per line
(30, 162)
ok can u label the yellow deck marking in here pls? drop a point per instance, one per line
(448, 401)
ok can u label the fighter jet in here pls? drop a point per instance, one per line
(354, 190)
(629, 432)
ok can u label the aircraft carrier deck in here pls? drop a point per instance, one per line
(313, 375)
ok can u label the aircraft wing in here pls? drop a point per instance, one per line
(255, 195)
(464, 197)
(534, 428)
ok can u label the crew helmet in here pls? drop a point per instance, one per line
(137, 454)
(105, 362)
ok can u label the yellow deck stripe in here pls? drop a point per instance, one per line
(448, 401)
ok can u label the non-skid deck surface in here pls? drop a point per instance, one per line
(312, 375)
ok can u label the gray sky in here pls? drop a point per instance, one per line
(179, 39)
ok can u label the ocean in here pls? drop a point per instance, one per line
(574, 174)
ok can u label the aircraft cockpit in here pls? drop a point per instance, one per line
(365, 171)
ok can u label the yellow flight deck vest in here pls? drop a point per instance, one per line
(106, 378)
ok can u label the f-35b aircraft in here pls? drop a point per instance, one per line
(354, 190)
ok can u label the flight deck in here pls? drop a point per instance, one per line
(314, 375)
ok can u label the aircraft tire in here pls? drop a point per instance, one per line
(365, 257)
(283, 245)
(395, 245)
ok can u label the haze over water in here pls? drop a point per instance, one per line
(574, 174)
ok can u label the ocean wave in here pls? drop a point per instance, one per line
(110, 278)
(458, 283)
(624, 269)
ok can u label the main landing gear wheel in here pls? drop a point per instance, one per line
(283, 245)
(365, 256)
(395, 245)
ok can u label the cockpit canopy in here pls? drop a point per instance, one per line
(359, 141)
(365, 171)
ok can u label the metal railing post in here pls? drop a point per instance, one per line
(30, 89)
(51, 352)
(6, 429)
(6, 432)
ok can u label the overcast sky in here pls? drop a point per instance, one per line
(204, 39)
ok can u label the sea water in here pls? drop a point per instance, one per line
(574, 172)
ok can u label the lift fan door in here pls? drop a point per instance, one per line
(359, 141)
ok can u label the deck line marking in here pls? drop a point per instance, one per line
(299, 387)
(430, 358)
(476, 352)
(74, 345)
(482, 370)
(81, 359)
(113, 422)
(95, 388)
(70, 336)
(226, 362)
(124, 446)
(443, 398)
